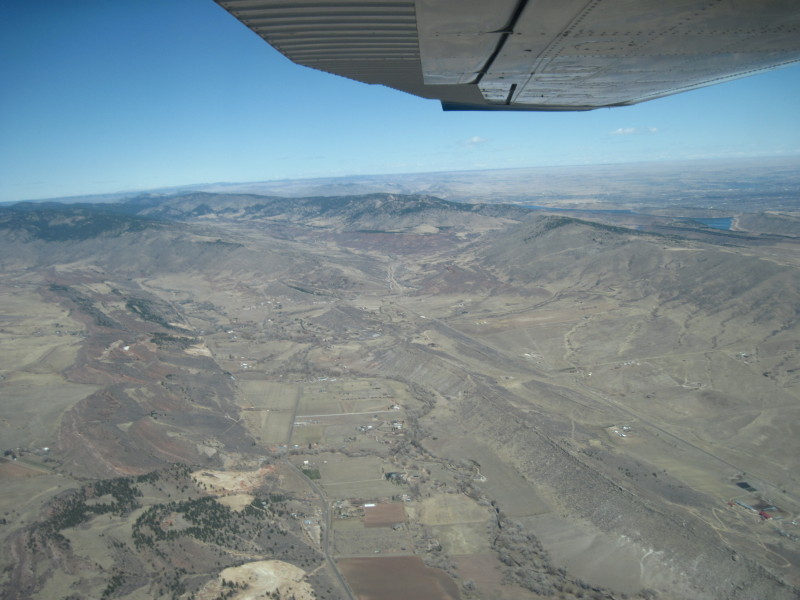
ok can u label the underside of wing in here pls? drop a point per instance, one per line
(531, 54)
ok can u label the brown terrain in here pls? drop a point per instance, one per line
(221, 396)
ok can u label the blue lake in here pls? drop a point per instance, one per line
(724, 223)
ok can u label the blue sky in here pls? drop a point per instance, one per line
(105, 96)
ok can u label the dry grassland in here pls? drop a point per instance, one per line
(608, 559)
(40, 341)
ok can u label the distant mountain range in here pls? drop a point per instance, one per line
(750, 185)
(375, 212)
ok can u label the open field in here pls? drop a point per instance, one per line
(268, 395)
(352, 477)
(372, 541)
(384, 515)
(269, 426)
(397, 578)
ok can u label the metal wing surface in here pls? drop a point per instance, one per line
(531, 54)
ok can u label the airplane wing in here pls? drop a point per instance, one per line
(531, 54)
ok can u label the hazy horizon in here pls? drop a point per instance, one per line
(296, 186)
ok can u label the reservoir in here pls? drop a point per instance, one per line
(724, 223)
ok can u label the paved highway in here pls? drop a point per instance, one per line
(326, 538)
